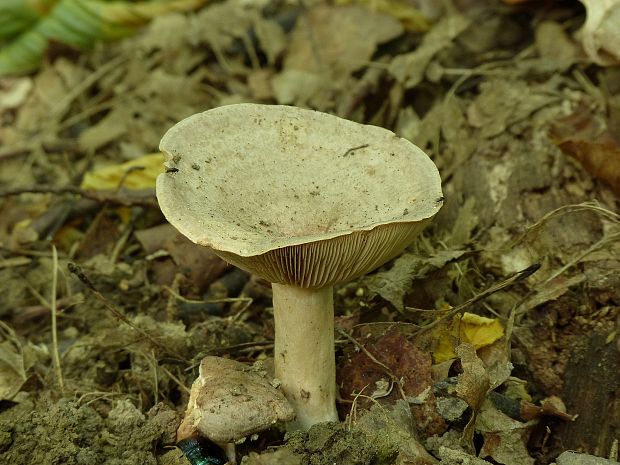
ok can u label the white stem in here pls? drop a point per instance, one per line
(304, 352)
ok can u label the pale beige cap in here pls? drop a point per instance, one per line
(296, 196)
(229, 401)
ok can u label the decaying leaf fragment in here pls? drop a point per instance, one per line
(410, 17)
(505, 439)
(394, 283)
(590, 142)
(15, 361)
(339, 39)
(472, 387)
(600, 35)
(409, 68)
(504, 102)
(326, 46)
(399, 369)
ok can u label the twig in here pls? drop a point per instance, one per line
(118, 247)
(123, 197)
(57, 366)
(86, 83)
(581, 255)
(353, 149)
(518, 276)
(222, 300)
(175, 379)
(9, 152)
(393, 379)
(247, 301)
(241, 347)
(77, 271)
(24, 314)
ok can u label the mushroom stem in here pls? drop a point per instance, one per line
(304, 352)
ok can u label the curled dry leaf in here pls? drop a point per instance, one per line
(472, 387)
(473, 383)
(600, 34)
(591, 143)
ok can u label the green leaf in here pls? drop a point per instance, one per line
(32, 24)
(18, 15)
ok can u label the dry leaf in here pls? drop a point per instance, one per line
(293, 86)
(135, 174)
(600, 34)
(473, 383)
(589, 141)
(13, 92)
(409, 16)
(409, 68)
(338, 40)
(15, 361)
(556, 49)
(400, 362)
(472, 387)
(505, 439)
(108, 129)
(393, 284)
(467, 328)
(504, 102)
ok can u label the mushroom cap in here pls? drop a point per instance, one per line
(296, 196)
(229, 401)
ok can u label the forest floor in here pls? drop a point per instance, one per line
(500, 324)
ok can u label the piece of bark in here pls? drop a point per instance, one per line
(592, 391)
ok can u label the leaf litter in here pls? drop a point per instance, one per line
(445, 355)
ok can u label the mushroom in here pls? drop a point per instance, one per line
(227, 402)
(305, 200)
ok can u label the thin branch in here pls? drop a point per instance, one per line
(126, 198)
(77, 271)
(516, 277)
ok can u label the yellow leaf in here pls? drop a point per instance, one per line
(474, 329)
(135, 174)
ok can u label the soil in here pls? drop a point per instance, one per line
(106, 310)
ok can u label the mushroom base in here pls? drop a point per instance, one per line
(304, 357)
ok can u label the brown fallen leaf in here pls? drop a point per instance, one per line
(504, 439)
(591, 143)
(371, 376)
